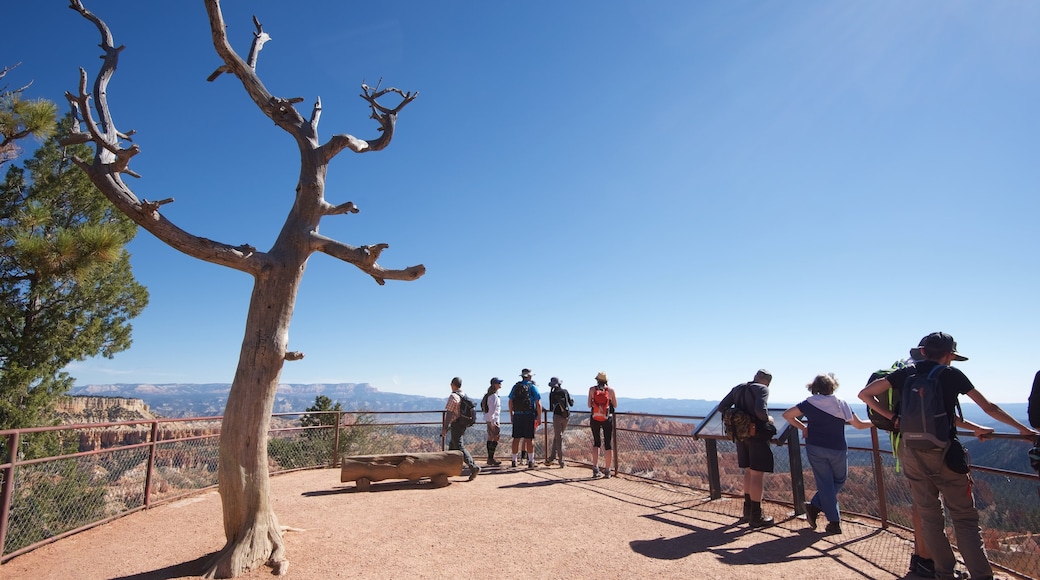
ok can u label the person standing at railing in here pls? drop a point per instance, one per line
(929, 475)
(825, 446)
(457, 422)
(491, 406)
(602, 402)
(560, 402)
(754, 455)
(525, 407)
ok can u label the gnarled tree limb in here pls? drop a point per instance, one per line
(364, 258)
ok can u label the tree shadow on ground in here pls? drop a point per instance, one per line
(196, 567)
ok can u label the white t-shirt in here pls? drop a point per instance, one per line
(494, 414)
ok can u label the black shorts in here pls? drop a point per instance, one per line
(755, 454)
(607, 427)
(523, 426)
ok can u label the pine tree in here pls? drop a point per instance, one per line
(21, 118)
(67, 291)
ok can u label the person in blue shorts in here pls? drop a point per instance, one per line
(525, 406)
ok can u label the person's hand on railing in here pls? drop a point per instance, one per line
(982, 433)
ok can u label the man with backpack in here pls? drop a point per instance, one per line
(753, 454)
(525, 406)
(560, 402)
(459, 414)
(602, 402)
(927, 424)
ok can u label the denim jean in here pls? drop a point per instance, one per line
(559, 426)
(830, 469)
(455, 444)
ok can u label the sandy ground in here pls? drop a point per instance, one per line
(507, 523)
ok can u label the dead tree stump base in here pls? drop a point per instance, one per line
(365, 469)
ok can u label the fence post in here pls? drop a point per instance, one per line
(711, 450)
(545, 434)
(794, 454)
(7, 488)
(335, 438)
(151, 464)
(879, 478)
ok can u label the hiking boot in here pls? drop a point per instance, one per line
(473, 471)
(811, 513)
(747, 511)
(606, 474)
(833, 528)
(562, 464)
(549, 461)
(494, 462)
(923, 567)
(513, 463)
(530, 463)
(595, 472)
(756, 519)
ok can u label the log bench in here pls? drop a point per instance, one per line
(364, 469)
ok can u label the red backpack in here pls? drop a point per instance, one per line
(601, 404)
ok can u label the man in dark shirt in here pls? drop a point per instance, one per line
(754, 455)
(927, 470)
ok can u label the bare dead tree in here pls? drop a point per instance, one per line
(250, 526)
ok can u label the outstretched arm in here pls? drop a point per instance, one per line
(859, 423)
(999, 414)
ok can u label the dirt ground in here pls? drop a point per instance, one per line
(546, 522)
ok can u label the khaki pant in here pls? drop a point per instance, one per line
(929, 478)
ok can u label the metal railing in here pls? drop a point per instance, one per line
(99, 472)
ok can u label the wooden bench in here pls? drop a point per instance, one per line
(364, 469)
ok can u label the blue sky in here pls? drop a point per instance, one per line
(676, 193)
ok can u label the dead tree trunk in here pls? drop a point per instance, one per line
(250, 526)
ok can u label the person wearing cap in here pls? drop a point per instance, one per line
(525, 406)
(560, 402)
(602, 429)
(492, 409)
(927, 471)
(452, 413)
(754, 455)
(921, 563)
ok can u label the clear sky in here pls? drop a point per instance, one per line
(676, 193)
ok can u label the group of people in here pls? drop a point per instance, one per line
(821, 420)
(525, 412)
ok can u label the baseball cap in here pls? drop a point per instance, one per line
(496, 381)
(939, 342)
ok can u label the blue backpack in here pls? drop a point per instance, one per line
(923, 420)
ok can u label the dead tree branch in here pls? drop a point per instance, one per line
(364, 258)
(111, 161)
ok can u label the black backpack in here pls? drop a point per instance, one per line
(560, 403)
(521, 397)
(467, 411)
(923, 420)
